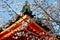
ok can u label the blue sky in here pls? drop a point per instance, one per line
(6, 16)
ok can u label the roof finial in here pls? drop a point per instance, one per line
(26, 2)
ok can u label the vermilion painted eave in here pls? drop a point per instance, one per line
(14, 27)
(33, 27)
